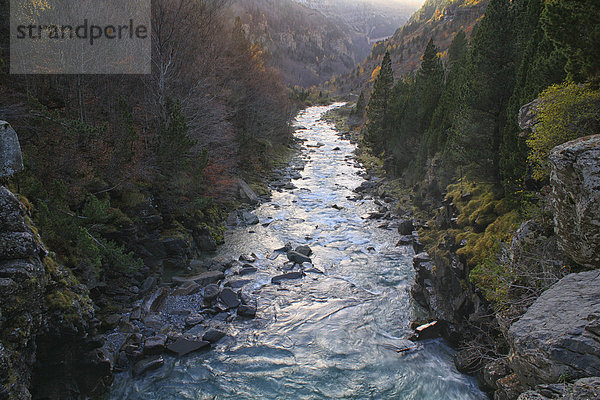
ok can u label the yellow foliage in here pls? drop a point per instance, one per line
(565, 113)
(375, 73)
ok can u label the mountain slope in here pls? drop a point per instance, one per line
(437, 19)
(308, 41)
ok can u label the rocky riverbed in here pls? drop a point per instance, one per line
(308, 298)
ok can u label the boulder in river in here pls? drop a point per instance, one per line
(248, 218)
(405, 227)
(298, 258)
(288, 276)
(213, 335)
(304, 250)
(229, 298)
(144, 366)
(559, 334)
(247, 310)
(182, 346)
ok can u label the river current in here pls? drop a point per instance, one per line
(325, 336)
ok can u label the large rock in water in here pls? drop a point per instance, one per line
(559, 335)
(11, 160)
(575, 180)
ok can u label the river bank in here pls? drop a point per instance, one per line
(483, 265)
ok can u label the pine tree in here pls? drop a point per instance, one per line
(492, 71)
(378, 104)
(540, 66)
(175, 144)
(359, 108)
(574, 27)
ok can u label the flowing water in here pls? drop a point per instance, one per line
(326, 336)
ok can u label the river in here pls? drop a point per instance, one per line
(325, 336)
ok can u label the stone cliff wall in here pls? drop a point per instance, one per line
(549, 340)
(47, 327)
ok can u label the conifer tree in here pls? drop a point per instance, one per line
(359, 108)
(574, 27)
(540, 65)
(378, 104)
(492, 70)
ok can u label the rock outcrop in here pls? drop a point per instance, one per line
(48, 347)
(581, 389)
(559, 335)
(528, 117)
(11, 160)
(575, 180)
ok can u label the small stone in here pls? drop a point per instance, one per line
(247, 258)
(193, 320)
(211, 292)
(297, 257)
(288, 276)
(236, 284)
(248, 269)
(304, 250)
(155, 344)
(185, 346)
(136, 314)
(213, 335)
(247, 311)
(144, 366)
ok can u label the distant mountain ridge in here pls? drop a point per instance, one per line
(437, 19)
(309, 41)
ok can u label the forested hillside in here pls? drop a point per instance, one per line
(468, 137)
(309, 42)
(437, 19)
(113, 160)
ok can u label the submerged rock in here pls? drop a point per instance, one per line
(144, 366)
(246, 310)
(288, 276)
(298, 258)
(213, 335)
(186, 346)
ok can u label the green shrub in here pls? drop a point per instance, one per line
(567, 111)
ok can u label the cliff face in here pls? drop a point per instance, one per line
(548, 329)
(575, 179)
(47, 322)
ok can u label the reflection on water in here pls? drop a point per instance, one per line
(328, 335)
